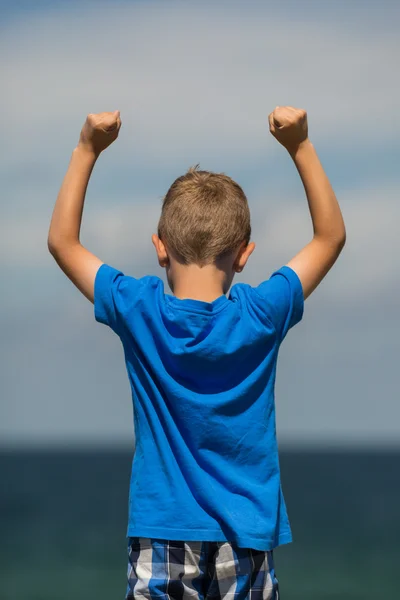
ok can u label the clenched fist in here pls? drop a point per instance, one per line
(289, 126)
(99, 131)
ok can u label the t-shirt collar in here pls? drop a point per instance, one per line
(197, 305)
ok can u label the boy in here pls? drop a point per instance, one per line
(206, 507)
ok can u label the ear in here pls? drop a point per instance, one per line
(243, 256)
(161, 251)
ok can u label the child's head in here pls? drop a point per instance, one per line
(205, 223)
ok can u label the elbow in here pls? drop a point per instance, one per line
(341, 240)
(335, 241)
(337, 244)
(57, 245)
(50, 246)
(53, 246)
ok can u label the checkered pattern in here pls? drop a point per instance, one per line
(173, 570)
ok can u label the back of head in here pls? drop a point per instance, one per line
(205, 216)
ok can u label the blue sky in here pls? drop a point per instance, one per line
(195, 83)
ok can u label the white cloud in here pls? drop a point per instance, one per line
(113, 232)
(194, 84)
(189, 85)
(121, 235)
(366, 267)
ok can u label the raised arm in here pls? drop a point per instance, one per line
(80, 265)
(289, 126)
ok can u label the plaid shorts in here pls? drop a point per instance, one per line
(171, 570)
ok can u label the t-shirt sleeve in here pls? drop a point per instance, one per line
(114, 293)
(283, 299)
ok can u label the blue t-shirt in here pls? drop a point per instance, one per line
(202, 375)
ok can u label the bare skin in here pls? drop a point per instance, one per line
(289, 126)
(201, 283)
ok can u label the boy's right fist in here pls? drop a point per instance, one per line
(289, 126)
(99, 131)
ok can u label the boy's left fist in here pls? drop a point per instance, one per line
(99, 131)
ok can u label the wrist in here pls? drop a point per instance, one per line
(299, 149)
(85, 152)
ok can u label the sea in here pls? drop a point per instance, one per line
(63, 517)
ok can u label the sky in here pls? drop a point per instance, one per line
(195, 83)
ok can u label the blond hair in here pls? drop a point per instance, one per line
(204, 217)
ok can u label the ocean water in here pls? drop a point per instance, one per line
(63, 518)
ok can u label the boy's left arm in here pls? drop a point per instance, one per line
(80, 265)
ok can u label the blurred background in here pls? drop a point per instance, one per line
(195, 83)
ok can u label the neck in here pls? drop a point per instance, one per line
(197, 283)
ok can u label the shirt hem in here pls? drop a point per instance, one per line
(212, 535)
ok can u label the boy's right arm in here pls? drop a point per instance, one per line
(289, 126)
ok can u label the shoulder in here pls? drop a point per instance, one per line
(115, 294)
(280, 282)
(278, 300)
(110, 277)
